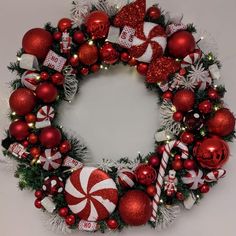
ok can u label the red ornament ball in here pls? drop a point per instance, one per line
(205, 107)
(168, 95)
(63, 212)
(142, 68)
(151, 190)
(25, 143)
(44, 75)
(184, 100)
(213, 94)
(132, 62)
(205, 188)
(84, 71)
(193, 121)
(187, 137)
(22, 101)
(30, 118)
(88, 54)
(154, 13)
(65, 147)
(64, 24)
(58, 78)
(112, 224)
(78, 37)
(57, 35)
(177, 165)
(177, 157)
(109, 54)
(180, 196)
(154, 161)
(212, 153)
(47, 92)
(189, 164)
(180, 44)
(37, 203)
(74, 60)
(222, 123)
(53, 185)
(38, 194)
(145, 174)
(37, 42)
(70, 220)
(19, 130)
(35, 152)
(95, 68)
(160, 149)
(135, 208)
(125, 57)
(50, 137)
(33, 138)
(178, 116)
(97, 24)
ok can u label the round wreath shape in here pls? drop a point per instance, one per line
(190, 146)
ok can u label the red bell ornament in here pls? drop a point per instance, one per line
(109, 54)
(88, 54)
(50, 137)
(19, 130)
(97, 24)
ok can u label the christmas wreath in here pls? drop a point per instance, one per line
(190, 146)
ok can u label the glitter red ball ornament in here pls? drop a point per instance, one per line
(50, 137)
(78, 37)
(57, 35)
(97, 24)
(178, 116)
(204, 188)
(189, 164)
(37, 203)
(37, 42)
(187, 137)
(88, 54)
(177, 165)
(154, 161)
(124, 56)
(145, 174)
(58, 78)
(47, 92)
(142, 68)
(205, 107)
(30, 118)
(35, 152)
(22, 101)
(64, 24)
(184, 100)
(19, 130)
(212, 153)
(65, 147)
(222, 123)
(135, 208)
(151, 190)
(108, 54)
(168, 95)
(154, 13)
(53, 185)
(63, 212)
(112, 224)
(180, 44)
(70, 220)
(33, 138)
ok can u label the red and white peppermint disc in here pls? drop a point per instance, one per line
(194, 179)
(149, 42)
(91, 194)
(192, 58)
(215, 175)
(125, 178)
(50, 159)
(44, 116)
(30, 79)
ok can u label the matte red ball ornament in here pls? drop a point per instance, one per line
(112, 224)
(205, 188)
(151, 190)
(187, 137)
(177, 165)
(58, 78)
(222, 123)
(184, 100)
(154, 13)
(47, 92)
(63, 212)
(178, 116)
(50, 137)
(22, 101)
(154, 161)
(108, 54)
(189, 164)
(142, 68)
(212, 153)
(78, 37)
(65, 147)
(70, 220)
(97, 24)
(37, 42)
(37, 203)
(88, 54)
(64, 24)
(19, 130)
(180, 44)
(135, 208)
(145, 174)
(205, 107)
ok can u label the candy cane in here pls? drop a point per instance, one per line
(162, 170)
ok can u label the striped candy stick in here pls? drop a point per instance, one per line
(162, 170)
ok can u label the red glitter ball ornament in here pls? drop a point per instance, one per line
(88, 54)
(50, 137)
(64, 24)
(19, 130)
(135, 208)
(109, 54)
(47, 92)
(184, 100)
(145, 174)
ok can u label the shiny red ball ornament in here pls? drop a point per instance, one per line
(154, 13)
(30, 118)
(47, 92)
(25, 143)
(108, 54)
(37, 203)
(44, 75)
(19, 130)
(124, 56)
(132, 62)
(178, 116)
(187, 137)
(222, 123)
(35, 152)
(78, 37)
(180, 44)
(70, 220)
(177, 157)
(135, 208)
(168, 95)
(212, 153)
(58, 78)
(112, 224)
(64, 24)
(154, 161)
(177, 165)
(145, 174)
(142, 68)
(22, 101)
(205, 107)
(160, 149)
(38, 194)
(88, 54)
(33, 138)
(189, 164)
(180, 196)
(57, 36)
(84, 71)
(97, 24)
(182, 71)
(50, 137)
(184, 100)
(63, 212)
(65, 147)
(37, 42)
(74, 60)
(95, 68)
(205, 188)
(213, 94)
(151, 190)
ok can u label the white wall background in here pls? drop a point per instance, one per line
(117, 116)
